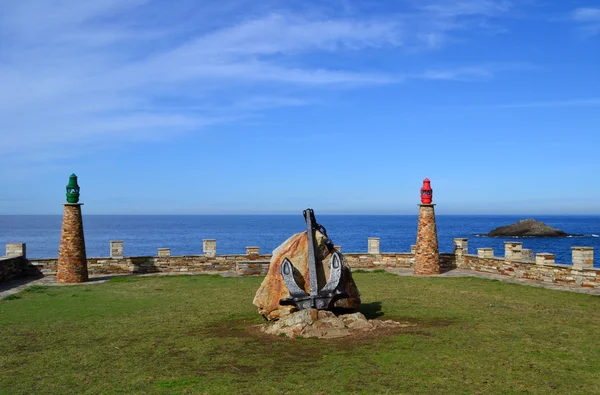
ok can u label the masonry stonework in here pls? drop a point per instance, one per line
(544, 269)
(209, 246)
(164, 252)
(16, 249)
(485, 252)
(427, 255)
(373, 245)
(461, 247)
(513, 251)
(252, 250)
(116, 248)
(72, 260)
(582, 257)
(544, 258)
(12, 267)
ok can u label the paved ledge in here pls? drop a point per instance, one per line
(16, 286)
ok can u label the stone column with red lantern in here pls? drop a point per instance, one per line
(72, 260)
(427, 253)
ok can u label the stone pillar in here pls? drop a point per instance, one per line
(413, 249)
(513, 251)
(544, 258)
(210, 247)
(116, 249)
(72, 260)
(373, 245)
(461, 248)
(164, 252)
(528, 255)
(252, 250)
(583, 257)
(427, 255)
(485, 252)
(16, 249)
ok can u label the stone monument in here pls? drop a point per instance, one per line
(427, 254)
(72, 260)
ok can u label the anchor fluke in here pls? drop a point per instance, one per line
(321, 299)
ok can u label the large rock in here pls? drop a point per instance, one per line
(326, 325)
(527, 227)
(295, 249)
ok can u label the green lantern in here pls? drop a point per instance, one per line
(72, 190)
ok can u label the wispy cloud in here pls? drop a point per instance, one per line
(466, 7)
(588, 20)
(590, 102)
(79, 73)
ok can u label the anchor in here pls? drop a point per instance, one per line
(320, 299)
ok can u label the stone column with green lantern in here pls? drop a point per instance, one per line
(72, 260)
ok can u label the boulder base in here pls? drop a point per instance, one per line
(295, 249)
(324, 324)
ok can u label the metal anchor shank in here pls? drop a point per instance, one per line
(317, 299)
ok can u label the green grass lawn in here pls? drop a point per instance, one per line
(193, 334)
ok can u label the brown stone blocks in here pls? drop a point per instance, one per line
(72, 260)
(252, 250)
(427, 254)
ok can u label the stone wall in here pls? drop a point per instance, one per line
(164, 264)
(12, 267)
(514, 263)
(567, 275)
(242, 264)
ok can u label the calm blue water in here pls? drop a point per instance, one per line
(143, 234)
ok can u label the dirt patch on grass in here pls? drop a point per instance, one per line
(245, 329)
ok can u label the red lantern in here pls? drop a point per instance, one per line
(426, 192)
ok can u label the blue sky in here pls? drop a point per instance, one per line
(234, 106)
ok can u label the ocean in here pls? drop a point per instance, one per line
(143, 234)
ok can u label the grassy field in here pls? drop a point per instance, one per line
(194, 334)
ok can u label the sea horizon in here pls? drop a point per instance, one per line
(323, 213)
(143, 234)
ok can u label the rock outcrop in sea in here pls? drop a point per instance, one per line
(526, 227)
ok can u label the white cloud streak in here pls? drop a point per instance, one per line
(590, 102)
(588, 20)
(77, 73)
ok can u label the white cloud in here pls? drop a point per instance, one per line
(77, 73)
(587, 14)
(588, 20)
(453, 8)
(459, 74)
(590, 102)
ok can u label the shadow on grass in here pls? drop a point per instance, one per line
(370, 310)
(8, 285)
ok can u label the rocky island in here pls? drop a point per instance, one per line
(526, 227)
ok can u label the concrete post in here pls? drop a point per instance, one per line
(252, 250)
(164, 252)
(461, 248)
(373, 245)
(544, 258)
(427, 255)
(513, 251)
(16, 249)
(485, 252)
(72, 260)
(210, 247)
(116, 249)
(582, 257)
